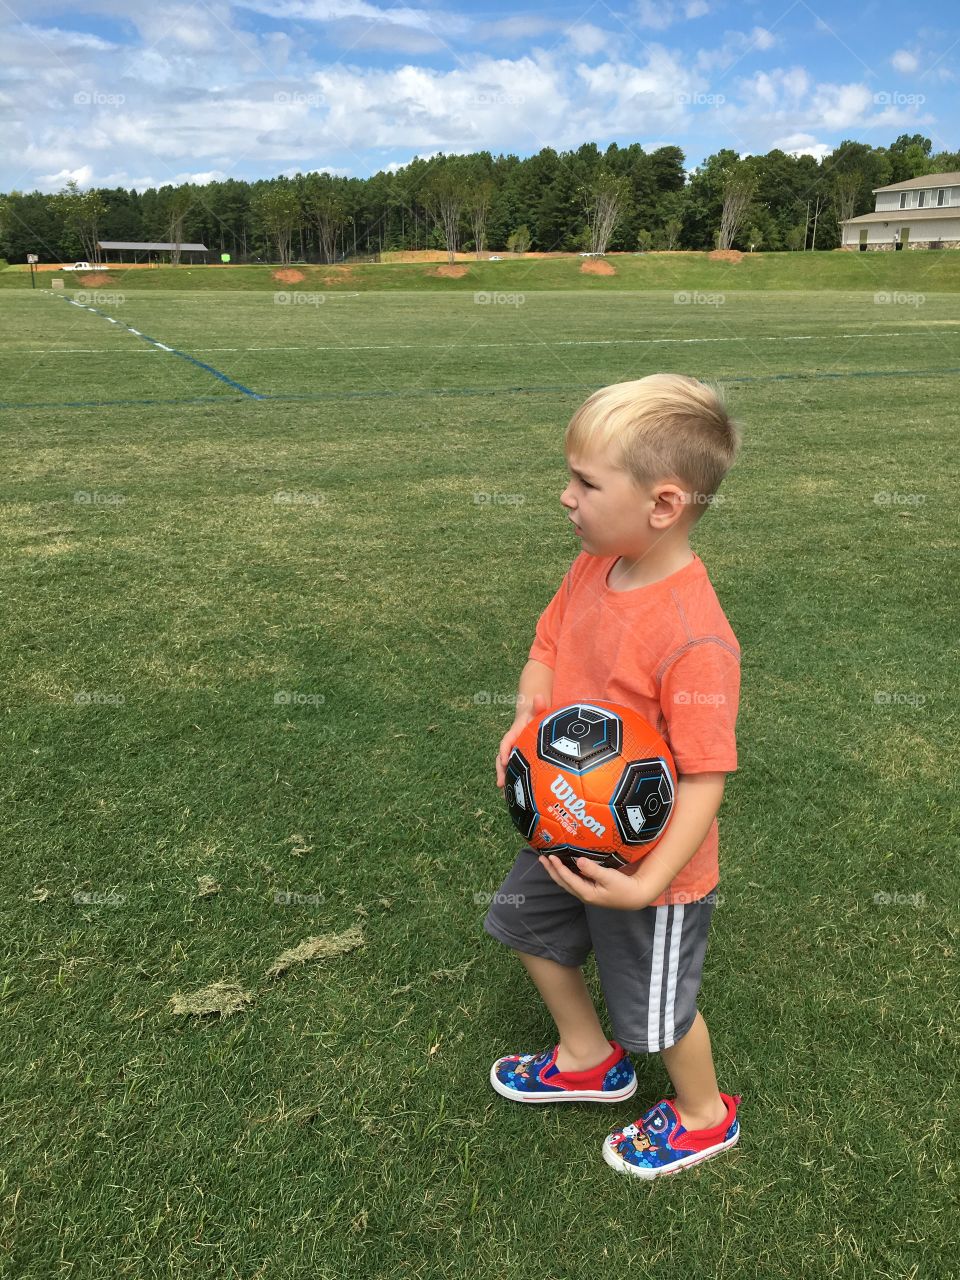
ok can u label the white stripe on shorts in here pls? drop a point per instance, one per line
(660, 1031)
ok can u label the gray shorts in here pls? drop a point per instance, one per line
(649, 961)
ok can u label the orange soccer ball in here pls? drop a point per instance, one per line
(591, 779)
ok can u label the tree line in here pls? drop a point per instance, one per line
(622, 198)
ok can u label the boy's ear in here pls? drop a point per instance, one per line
(670, 504)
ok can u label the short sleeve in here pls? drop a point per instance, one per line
(544, 647)
(700, 698)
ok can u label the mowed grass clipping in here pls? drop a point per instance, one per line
(258, 655)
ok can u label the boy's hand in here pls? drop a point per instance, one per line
(514, 732)
(599, 886)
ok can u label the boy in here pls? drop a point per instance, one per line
(635, 621)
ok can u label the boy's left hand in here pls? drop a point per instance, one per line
(596, 885)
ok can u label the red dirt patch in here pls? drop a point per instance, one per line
(597, 267)
(95, 278)
(288, 275)
(337, 274)
(453, 272)
(725, 255)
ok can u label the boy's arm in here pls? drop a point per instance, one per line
(694, 809)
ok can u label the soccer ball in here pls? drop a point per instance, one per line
(592, 779)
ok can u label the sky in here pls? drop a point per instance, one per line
(136, 93)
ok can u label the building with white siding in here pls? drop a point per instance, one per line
(921, 213)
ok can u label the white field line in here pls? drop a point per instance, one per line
(473, 346)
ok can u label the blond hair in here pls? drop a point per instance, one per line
(664, 426)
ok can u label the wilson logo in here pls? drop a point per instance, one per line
(575, 805)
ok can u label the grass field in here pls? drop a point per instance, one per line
(264, 631)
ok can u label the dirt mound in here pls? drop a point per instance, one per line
(726, 255)
(336, 274)
(452, 272)
(597, 267)
(95, 278)
(288, 275)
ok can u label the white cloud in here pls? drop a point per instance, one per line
(696, 9)
(905, 61)
(81, 176)
(586, 39)
(802, 144)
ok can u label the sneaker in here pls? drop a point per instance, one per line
(535, 1077)
(658, 1143)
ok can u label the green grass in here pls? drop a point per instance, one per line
(343, 1124)
(930, 270)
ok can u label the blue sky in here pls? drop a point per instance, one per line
(133, 93)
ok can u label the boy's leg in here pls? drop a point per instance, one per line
(689, 1064)
(564, 992)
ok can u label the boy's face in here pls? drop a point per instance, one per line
(611, 513)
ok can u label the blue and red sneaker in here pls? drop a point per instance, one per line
(535, 1077)
(658, 1144)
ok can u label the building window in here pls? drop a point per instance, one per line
(920, 199)
(940, 197)
(903, 199)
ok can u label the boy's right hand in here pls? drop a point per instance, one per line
(513, 733)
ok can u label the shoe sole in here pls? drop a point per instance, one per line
(566, 1095)
(695, 1157)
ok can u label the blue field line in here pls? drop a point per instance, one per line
(162, 346)
(454, 392)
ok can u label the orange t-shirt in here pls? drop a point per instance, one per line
(666, 650)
